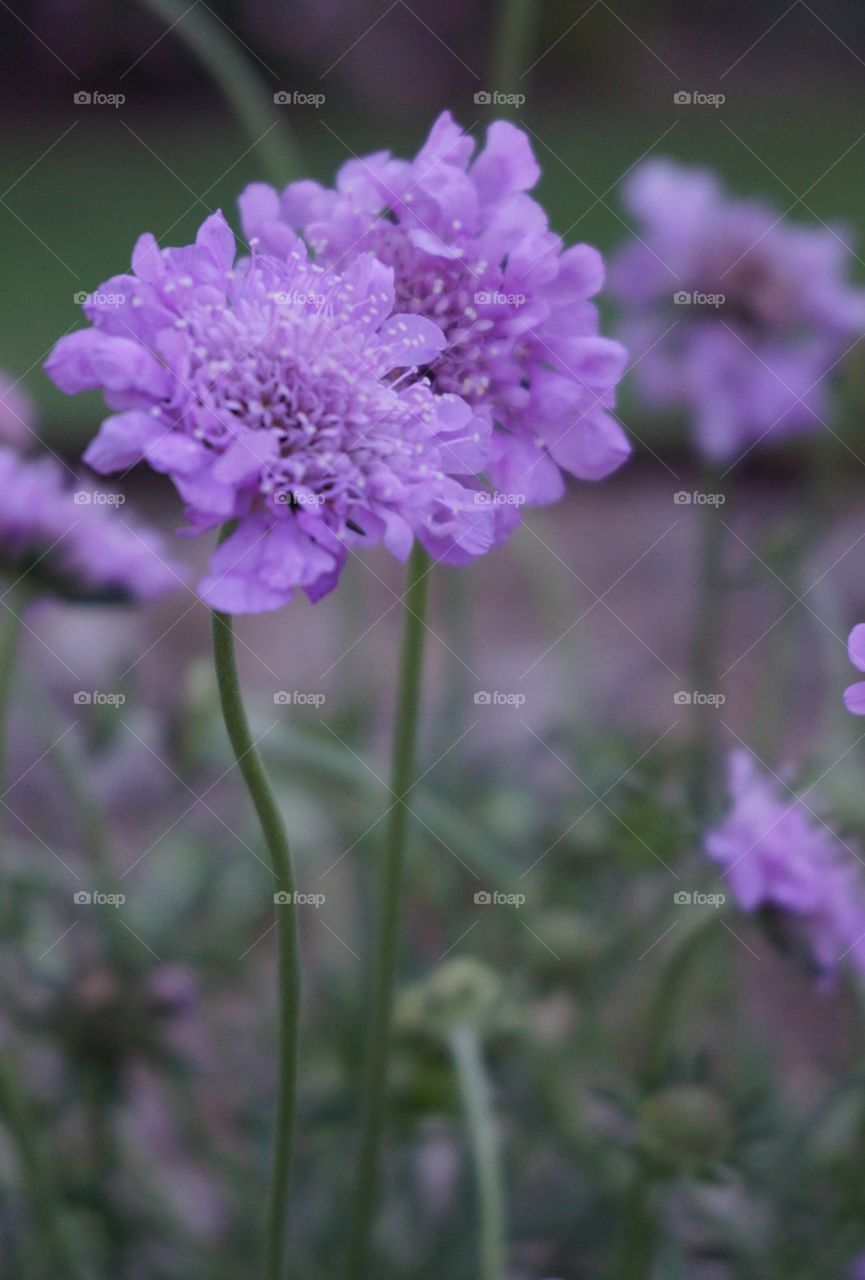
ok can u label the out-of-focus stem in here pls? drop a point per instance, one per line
(467, 1056)
(273, 829)
(10, 635)
(512, 49)
(220, 51)
(387, 932)
(708, 634)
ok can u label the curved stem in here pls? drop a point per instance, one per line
(471, 1074)
(664, 1003)
(264, 801)
(638, 1228)
(387, 931)
(219, 50)
(511, 45)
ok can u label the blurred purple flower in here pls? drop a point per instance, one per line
(67, 542)
(17, 413)
(733, 312)
(778, 856)
(854, 694)
(283, 396)
(473, 252)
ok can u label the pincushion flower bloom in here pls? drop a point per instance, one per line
(734, 314)
(777, 856)
(473, 252)
(854, 694)
(58, 540)
(284, 397)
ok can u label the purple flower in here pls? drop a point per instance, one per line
(854, 694)
(66, 542)
(779, 857)
(734, 313)
(17, 413)
(283, 396)
(472, 251)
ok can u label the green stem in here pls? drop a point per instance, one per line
(273, 829)
(38, 1175)
(387, 932)
(220, 52)
(10, 637)
(664, 1004)
(638, 1228)
(511, 46)
(471, 1074)
(708, 628)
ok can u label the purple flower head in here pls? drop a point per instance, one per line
(471, 251)
(66, 542)
(854, 694)
(779, 857)
(283, 396)
(734, 313)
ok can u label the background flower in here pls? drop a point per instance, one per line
(733, 312)
(778, 856)
(75, 543)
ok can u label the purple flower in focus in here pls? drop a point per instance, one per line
(734, 314)
(473, 252)
(854, 694)
(779, 857)
(283, 396)
(70, 543)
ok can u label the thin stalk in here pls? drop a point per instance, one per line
(373, 1106)
(273, 829)
(10, 637)
(511, 46)
(639, 1234)
(467, 1057)
(665, 1001)
(708, 633)
(220, 50)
